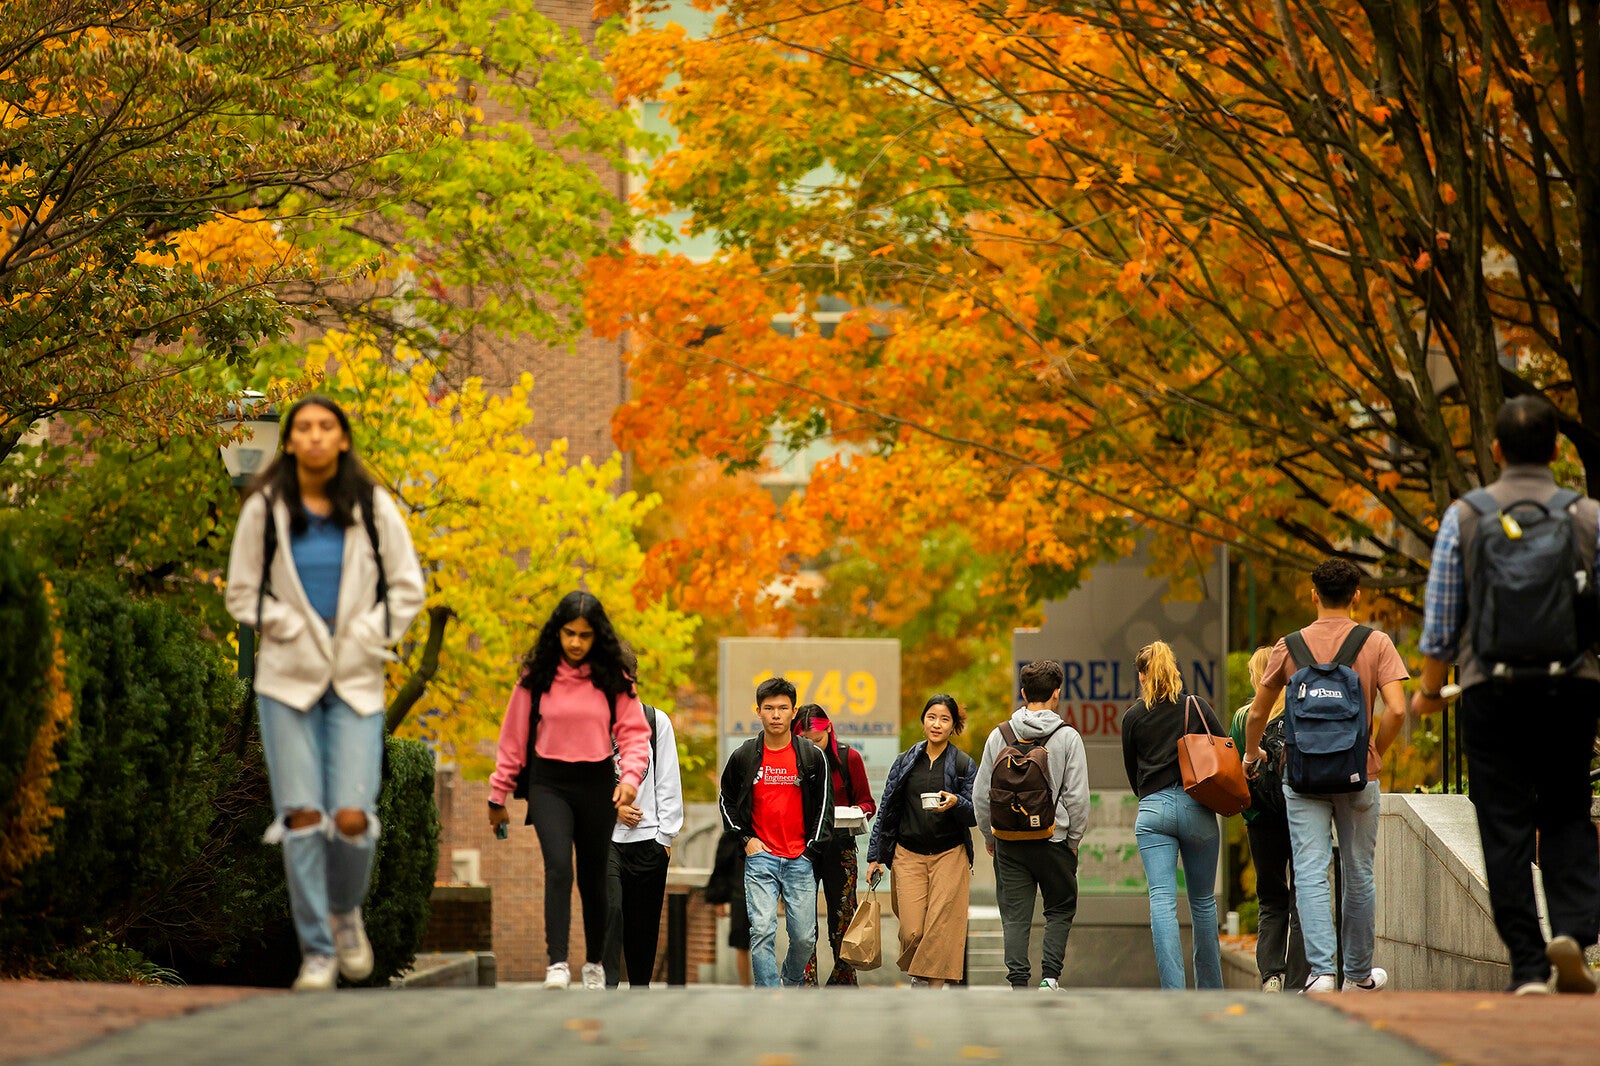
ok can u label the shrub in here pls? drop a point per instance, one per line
(407, 862)
(26, 647)
(138, 771)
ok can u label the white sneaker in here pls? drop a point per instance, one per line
(1376, 983)
(1572, 970)
(1049, 984)
(1323, 982)
(1273, 983)
(557, 976)
(353, 947)
(318, 973)
(1532, 988)
(594, 976)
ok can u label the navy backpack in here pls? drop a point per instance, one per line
(1326, 724)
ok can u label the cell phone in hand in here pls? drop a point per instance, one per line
(502, 830)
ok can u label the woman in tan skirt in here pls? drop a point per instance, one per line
(923, 832)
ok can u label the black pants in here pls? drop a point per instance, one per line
(837, 864)
(1021, 869)
(636, 884)
(1280, 951)
(1528, 748)
(569, 806)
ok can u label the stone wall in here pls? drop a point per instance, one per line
(1435, 930)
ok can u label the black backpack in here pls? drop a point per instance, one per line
(1531, 599)
(269, 550)
(1266, 788)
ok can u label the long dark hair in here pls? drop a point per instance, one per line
(350, 485)
(605, 655)
(804, 715)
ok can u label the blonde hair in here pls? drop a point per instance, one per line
(1159, 680)
(1258, 669)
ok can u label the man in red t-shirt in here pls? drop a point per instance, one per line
(777, 797)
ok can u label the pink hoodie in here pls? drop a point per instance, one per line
(573, 717)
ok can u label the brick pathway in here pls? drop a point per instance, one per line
(1482, 1029)
(42, 1018)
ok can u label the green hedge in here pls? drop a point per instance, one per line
(138, 772)
(25, 650)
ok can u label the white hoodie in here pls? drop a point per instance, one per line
(660, 799)
(1069, 774)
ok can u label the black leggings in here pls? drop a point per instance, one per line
(569, 806)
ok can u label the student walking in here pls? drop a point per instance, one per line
(1511, 600)
(1031, 800)
(1170, 822)
(837, 860)
(573, 706)
(923, 834)
(777, 796)
(322, 566)
(641, 848)
(1334, 671)
(1280, 949)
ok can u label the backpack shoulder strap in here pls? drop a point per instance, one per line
(1008, 734)
(1299, 650)
(1046, 738)
(1562, 499)
(370, 521)
(1352, 645)
(1482, 501)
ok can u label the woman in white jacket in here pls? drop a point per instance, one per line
(322, 566)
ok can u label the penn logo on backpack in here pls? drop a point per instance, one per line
(1326, 724)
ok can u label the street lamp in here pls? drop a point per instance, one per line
(252, 426)
(247, 453)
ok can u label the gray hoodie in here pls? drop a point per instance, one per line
(1069, 774)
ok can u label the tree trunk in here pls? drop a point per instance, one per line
(415, 685)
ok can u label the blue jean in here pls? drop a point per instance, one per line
(323, 760)
(1311, 822)
(1171, 824)
(766, 878)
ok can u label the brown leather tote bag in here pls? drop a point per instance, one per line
(1212, 770)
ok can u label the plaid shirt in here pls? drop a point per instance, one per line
(1447, 592)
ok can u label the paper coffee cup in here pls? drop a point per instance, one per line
(930, 801)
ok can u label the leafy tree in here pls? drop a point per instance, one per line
(1247, 273)
(504, 530)
(143, 143)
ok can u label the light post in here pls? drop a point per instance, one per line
(252, 426)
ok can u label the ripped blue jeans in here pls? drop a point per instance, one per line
(325, 760)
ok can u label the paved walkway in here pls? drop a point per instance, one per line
(99, 1025)
(734, 1027)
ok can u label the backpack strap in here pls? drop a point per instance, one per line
(1008, 734)
(1482, 501)
(1352, 646)
(1299, 650)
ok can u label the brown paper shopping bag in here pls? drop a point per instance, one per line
(863, 944)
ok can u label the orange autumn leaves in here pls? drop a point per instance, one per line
(1077, 308)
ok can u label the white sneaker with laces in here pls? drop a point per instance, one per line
(318, 973)
(353, 947)
(1323, 982)
(594, 976)
(1376, 983)
(1049, 984)
(1273, 983)
(557, 976)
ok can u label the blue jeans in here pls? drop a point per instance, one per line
(766, 878)
(323, 760)
(1170, 823)
(1311, 821)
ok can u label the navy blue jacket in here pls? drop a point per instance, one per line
(959, 773)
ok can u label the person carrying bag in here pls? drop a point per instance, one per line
(1212, 772)
(862, 944)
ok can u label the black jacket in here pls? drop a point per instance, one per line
(960, 771)
(816, 791)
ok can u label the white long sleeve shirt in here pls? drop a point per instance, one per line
(660, 796)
